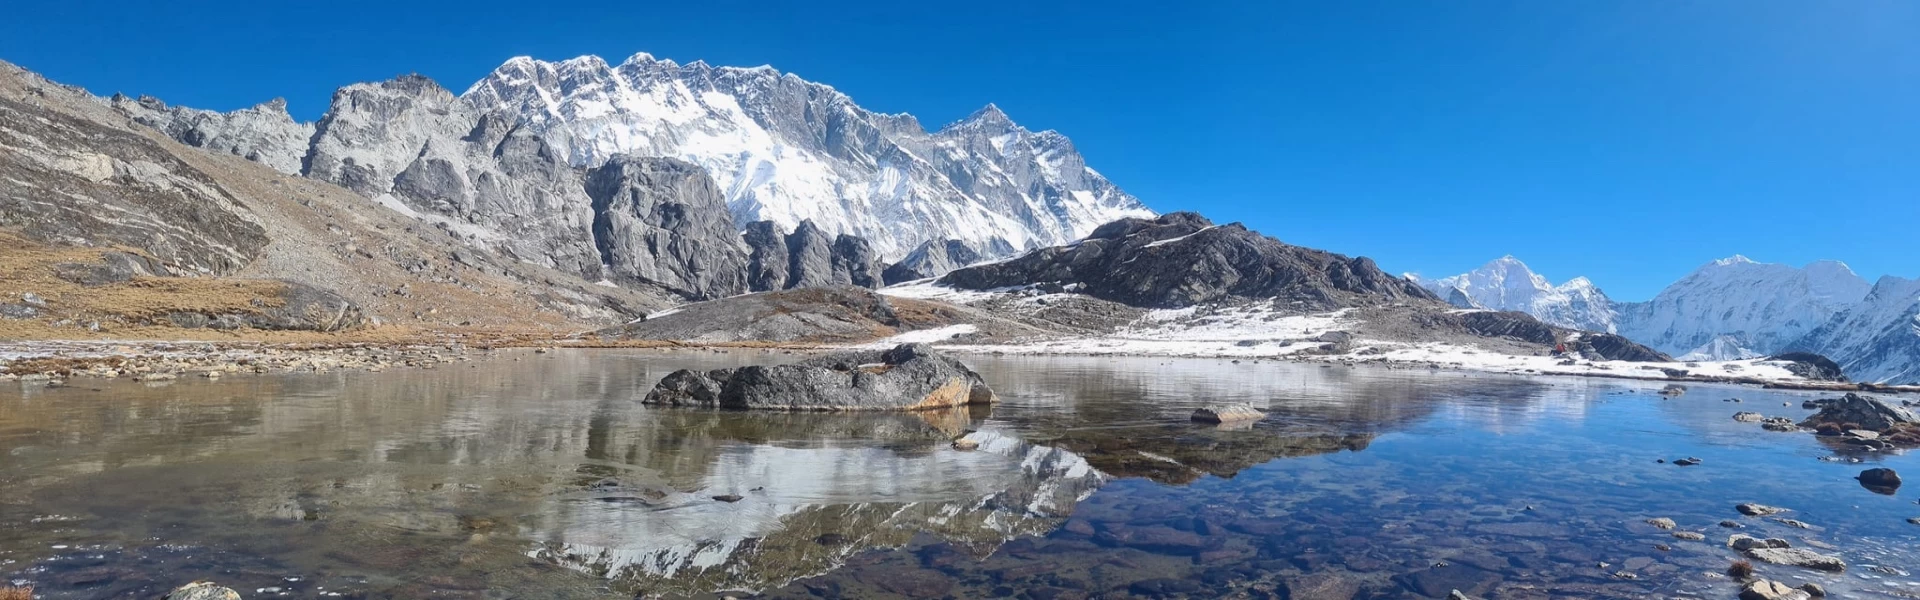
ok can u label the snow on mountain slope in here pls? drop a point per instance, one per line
(1876, 339)
(788, 150)
(1736, 303)
(1507, 284)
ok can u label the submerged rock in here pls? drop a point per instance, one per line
(202, 590)
(907, 377)
(1762, 589)
(1228, 413)
(1749, 417)
(1866, 412)
(1798, 557)
(1758, 510)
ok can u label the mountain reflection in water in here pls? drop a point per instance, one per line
(541, 475)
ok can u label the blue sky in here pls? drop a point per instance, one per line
(1628, 141)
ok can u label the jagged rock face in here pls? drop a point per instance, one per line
(854, 259)
(807, 258)
(932, 259)
(74, 181)
(789, 150)
(414, 146)
(662, 221)
(767, 264)
(810, 258)
(907, 377)
(265, 133)
(1182, 259)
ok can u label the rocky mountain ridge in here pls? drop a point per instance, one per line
(492, 164)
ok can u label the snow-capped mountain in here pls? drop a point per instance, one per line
(1507, 284)
(1735, 306)
(788, 150)
(1876, 339)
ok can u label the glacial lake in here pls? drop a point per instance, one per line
(524, 475)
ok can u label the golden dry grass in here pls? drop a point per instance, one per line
(16, 593)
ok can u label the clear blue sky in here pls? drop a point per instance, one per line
(1630, 141)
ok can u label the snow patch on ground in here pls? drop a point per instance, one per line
(923, 336)
(932, 289)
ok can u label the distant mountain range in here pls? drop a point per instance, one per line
(1727, 309)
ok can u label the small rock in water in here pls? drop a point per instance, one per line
(1758, 510)
(1741, 541)
(1814, 589)
(1687, 462)
(1762, 589)
(1748, 417)
(1914, 520)
(1731, 524)
(1663, 523)
(1458, 595)
(1228, 413)
(966, 443)
(1884, 481)
(202, 590)
(1794, 524)
(727, 498)
(1689, 535)
(1798, 557)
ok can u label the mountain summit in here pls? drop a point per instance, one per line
(1507, 284)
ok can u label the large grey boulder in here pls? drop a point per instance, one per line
(1811, 366)
(906, 377)
(1867, 412)
(663, 221)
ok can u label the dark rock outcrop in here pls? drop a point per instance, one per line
(906, 377)
(1866, 412)
(810, 258)
(1615, 347)
(767, 256)
(931, 259)
(807, 258)
(1182, 259)
(663, 221)
(855, 260)
(1811, 366)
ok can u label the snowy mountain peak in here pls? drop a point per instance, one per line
(1761, 307)
(1734, 260)
(785, 149)
(1506, 283)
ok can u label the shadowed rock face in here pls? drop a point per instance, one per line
(767, 256)
(807, 258)
(1182, 259)
(661, 220)
(1811, 366)
(907, 377)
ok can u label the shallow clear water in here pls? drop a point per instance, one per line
(540, 475)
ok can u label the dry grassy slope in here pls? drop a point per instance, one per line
(398, 269)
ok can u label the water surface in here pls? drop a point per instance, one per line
(540, 475)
